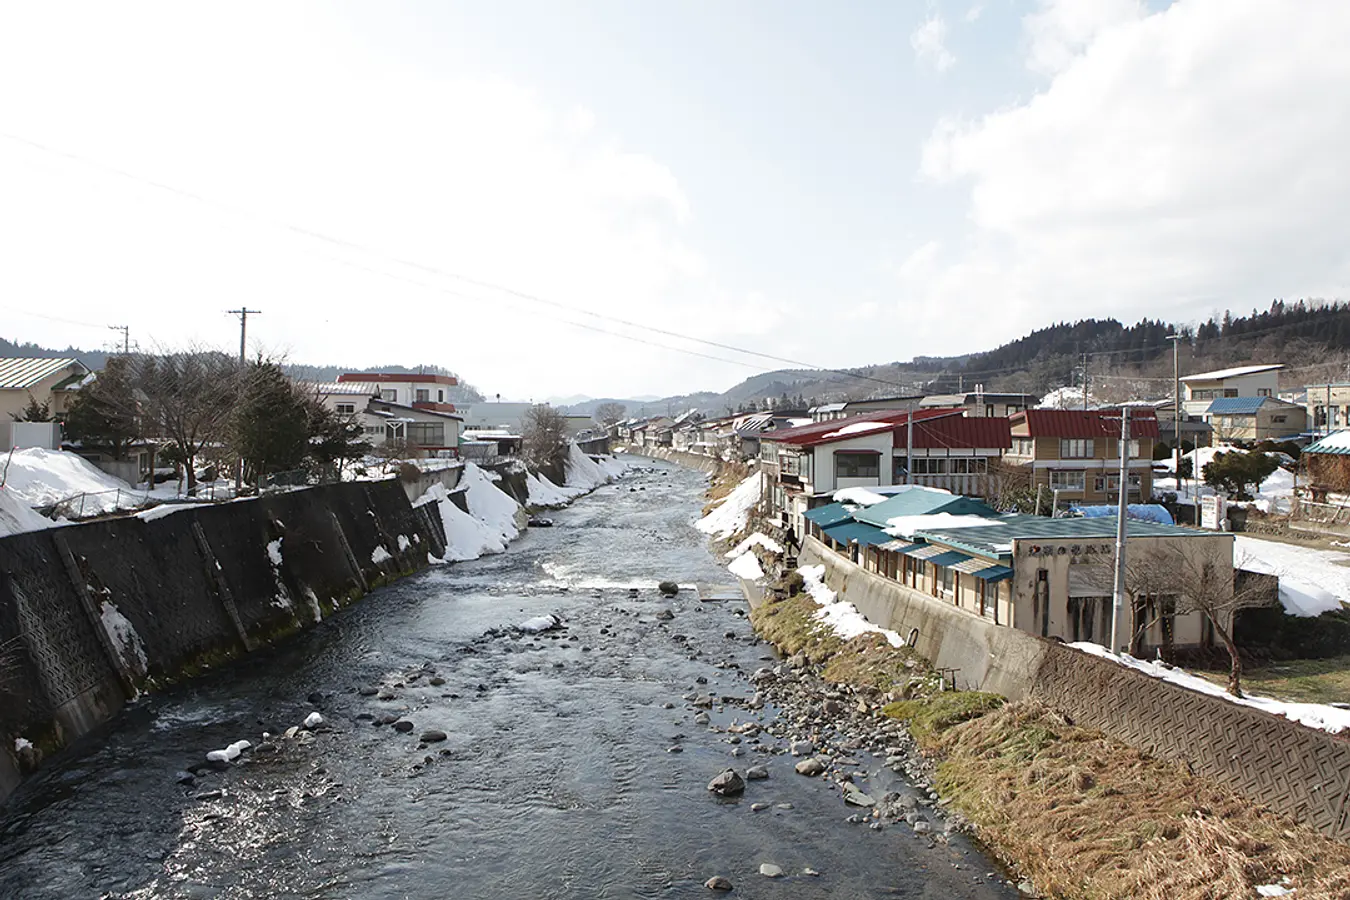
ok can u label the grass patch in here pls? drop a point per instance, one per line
(791, 627)
(929, 716)
(1088, 817)
(1298, 680)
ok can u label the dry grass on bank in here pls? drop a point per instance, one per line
(1083, 816)
(723, 483)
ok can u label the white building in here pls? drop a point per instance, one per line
(1203, 388)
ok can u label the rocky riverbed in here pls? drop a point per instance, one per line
(421, 744)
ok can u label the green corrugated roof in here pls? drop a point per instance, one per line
(1337, 443)
(857, 531)
(995, 540)
(831, 514)
(921, 502)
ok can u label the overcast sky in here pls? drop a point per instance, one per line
(835, 183)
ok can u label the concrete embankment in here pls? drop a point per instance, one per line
(696, 461)
(92, 615)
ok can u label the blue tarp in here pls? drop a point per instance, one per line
(1144, 512)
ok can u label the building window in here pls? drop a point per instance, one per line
(1202, 395)
(1263, 392)
(440, 395)
(1278, 420)
(1024, 446)
(426, 434)
(1076, 448)
(857, 465)
(989, 410)
(345, 408)
(946, 577)
(1230, 392)
(389, 395)
(1112, 483)
(974, 465)
(423, 395)
(1013, 408)
(1066, 480)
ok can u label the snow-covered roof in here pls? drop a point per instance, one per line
(1338, 443)
(355, 388)
(1218, 374)
(19, 372)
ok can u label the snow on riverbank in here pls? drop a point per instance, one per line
(39, 477)
(1314, 715)
(16, 516)
(1311, 581)
(840, 616)
(744, 563)
(733, 512)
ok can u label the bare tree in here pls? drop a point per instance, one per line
(187, 398)
(544, 444)
(610, 414)
(1178, 578)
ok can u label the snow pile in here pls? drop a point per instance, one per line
(164, 509)
(746, 566)
(41, 477)
(839, 616)
(22, 744)
(584, 472)
(230, 753)
(379, 555)
(124, 637)
(858, 496)
(758, 539)
(539, 624)
(1311, 581)
(905, 526)
(465, 536)
(543, 492)
(1314, 715)
(16, 516)
(489, 503)
(732, 513)
(1066, 398)
(313, 720)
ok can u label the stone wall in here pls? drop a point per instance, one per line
(701, 463)
(93, 614)
(1299, 771)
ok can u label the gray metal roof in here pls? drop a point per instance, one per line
(20, 372)
(994, 540)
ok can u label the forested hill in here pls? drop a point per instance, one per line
(94, 359)
(1053, 356)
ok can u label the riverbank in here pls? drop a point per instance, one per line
(1077, 814)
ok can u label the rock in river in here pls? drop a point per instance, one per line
(433, 735)
(769, 870)
(403, 726)
(728, 783)
(718, 883)
(810, 767)
(756, 773)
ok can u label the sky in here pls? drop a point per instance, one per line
(553, 199)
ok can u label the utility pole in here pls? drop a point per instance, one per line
(1327, 416)
(243, 313)
(1118, 591)
(909, 445)
(1176, 407)
(126, 337)
(1085, 382)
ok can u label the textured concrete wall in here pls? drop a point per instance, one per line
(689, 460)
(1299, 771)
(198, 588)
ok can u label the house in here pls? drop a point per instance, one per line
(50, 381)
(1074, 454)
(806, 464)
(1193, 428)
(1048, 577)
(952, 452)
(428, 392)
(1199, 390)
(978, 403)
(844, 410)
(428, 431)
(1255, 419)
(1327, 406)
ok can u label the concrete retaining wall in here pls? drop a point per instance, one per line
(696, 461)
(93, 614)
(1299, 771)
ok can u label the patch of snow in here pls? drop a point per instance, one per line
(230, 753)
(274, 551)
(403, 543)
(1337, 440)
(731, 514)
(539, 624)
(164, 509)
(839, 616)
(1314, 715)
(746, 566)
(858, 495)
(1065, 398)
(22, 744)
(41, 477)
(489, 503)
(584, 472)
(543, 492)
(905, 526)
(1311, 581)
(465, 536)
(16, 516)
(124, 637)
(379, 555)
(313, 720)
(758, 539)
(1273, 890)
(860, 428)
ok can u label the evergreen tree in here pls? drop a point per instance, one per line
(270, 428)
(105, 415)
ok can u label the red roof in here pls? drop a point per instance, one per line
(1091, 423)
(828, 432)
(959, 432)
(377, 377)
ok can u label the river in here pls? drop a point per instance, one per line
(555, 780)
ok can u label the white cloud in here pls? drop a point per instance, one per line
(929, 41)
(1175, 163)
(973, 14)
(1061, 30)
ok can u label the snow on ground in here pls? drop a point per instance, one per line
(488, 503)
(758, 539)
(124, 636)
(41, 477)
(746, 566)
(465, 536)
(584, 472)
(1312, 581)
(905, 526)
(733, 511)
(840, 617)
(858, 495)
(16, 516)
(1314, 715)
(543, 492)
(1065, 398)
(1274, 496)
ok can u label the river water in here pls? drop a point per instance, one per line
(555, 779)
